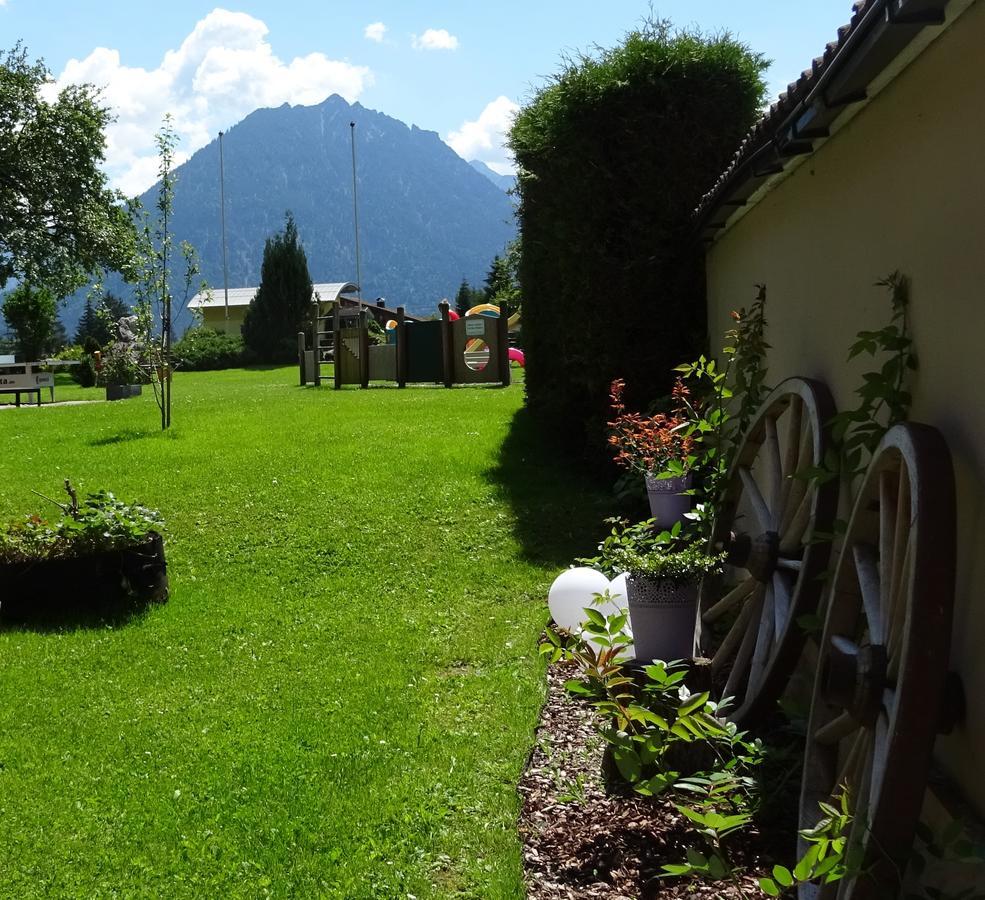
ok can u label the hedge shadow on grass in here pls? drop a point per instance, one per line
(558, 508)
(72, 616)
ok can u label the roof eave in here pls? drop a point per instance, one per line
(885, 39)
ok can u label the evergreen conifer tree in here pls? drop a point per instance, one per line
(282, 305)
(465, 298)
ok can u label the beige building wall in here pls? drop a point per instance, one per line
(215, 317)
(902, 186)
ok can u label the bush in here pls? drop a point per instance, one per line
(85, 374)
(202, 349)
(614, 155)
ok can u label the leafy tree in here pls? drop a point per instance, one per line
(58, 220)
(31, 314)
(282, 303)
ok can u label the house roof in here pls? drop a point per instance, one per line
(882, 37)
(327, 293)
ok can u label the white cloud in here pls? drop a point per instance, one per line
(375, 32)
(485, 138)
(222, 71)
(435, 39)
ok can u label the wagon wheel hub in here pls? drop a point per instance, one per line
(854, 678)
(764, 551)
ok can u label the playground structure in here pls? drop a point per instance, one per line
(472, 349)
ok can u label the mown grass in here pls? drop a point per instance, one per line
(338, 699)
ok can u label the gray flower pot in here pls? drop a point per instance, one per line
(667, 504)
(662, 614)
(122, 391)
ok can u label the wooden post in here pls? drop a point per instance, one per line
(337, 352)
(401, 348)
(503, 346)
(364, 348)
(447, 345)
(304, 379)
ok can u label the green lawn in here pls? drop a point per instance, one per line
(339, 697)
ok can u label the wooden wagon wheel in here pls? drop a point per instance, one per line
(749, 628)
(882, 662)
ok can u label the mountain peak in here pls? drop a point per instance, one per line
(425, 216)
(503, 182)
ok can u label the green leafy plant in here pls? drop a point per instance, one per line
(643, 723)
(100, 522)
(829, 857)
(747, 352)
(951, 849)
(121, 364)
(883, 397)
(640, 550)
(721, 402)
(202, 349)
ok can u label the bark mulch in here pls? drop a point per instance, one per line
(584, 839)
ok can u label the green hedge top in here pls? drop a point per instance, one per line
(614, 154)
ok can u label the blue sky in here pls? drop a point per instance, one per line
(453, 67)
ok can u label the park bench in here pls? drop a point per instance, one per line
(23, 378)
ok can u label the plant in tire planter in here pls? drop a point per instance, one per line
(659, 447)
(120, 371)
(101, 553)
(663, 572)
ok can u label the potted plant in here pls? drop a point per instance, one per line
(663, 571)
(659, 447)
(99, 554)
(120, 371)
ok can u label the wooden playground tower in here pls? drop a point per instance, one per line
(469, 350)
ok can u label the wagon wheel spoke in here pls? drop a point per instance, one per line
(867, 570)
(738, 630)
(764, 637)
(768, 511)
(774, 469)
(748, 643)
(836, 730)
(739, 592)
(799, 486)
(791, 457)
(782, 596)
(763, 515)
(852, 760)
(882, 661)
(792, 534)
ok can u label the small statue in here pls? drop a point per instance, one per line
(128, 329)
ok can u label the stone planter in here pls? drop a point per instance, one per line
(122, 391)
(667, 504)
(662, 614)
(109, 581)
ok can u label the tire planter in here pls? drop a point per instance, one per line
(662, 614)
(668, 505)
(110, 581)
(122, 391)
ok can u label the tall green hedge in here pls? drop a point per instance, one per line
(614, 155)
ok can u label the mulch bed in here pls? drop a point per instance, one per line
(583, 838)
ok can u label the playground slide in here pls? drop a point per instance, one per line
(491, 310)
